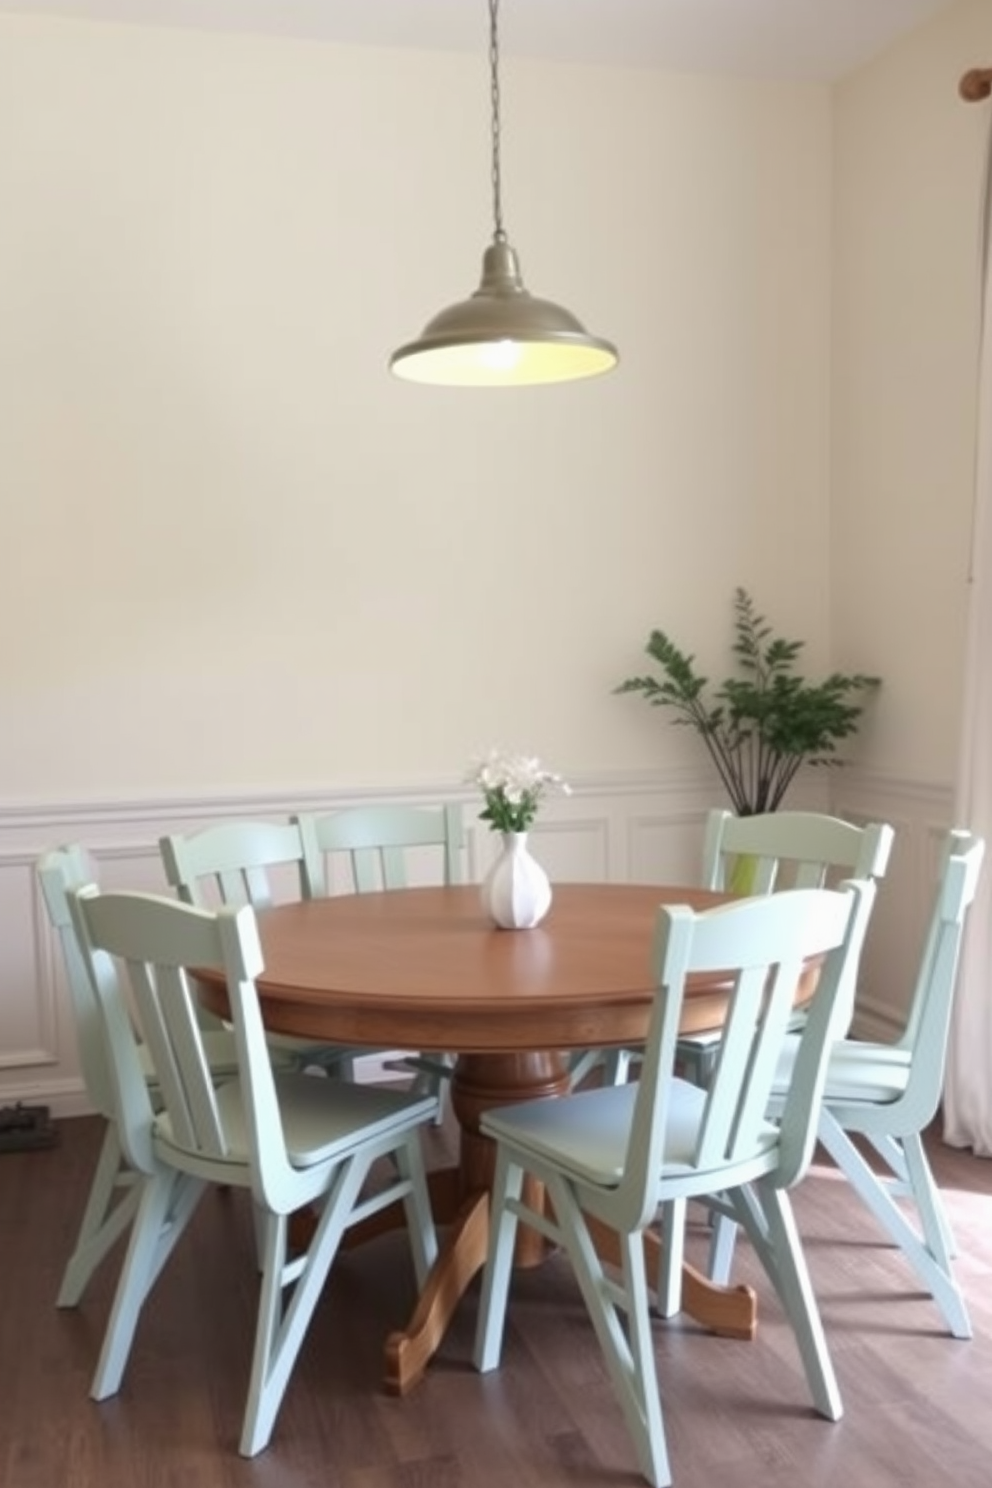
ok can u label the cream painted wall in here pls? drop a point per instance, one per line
(238, 554)
(908, 169)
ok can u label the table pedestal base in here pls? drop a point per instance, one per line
(462, 1256)
(728, 1311)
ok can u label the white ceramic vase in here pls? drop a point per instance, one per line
(516, 892)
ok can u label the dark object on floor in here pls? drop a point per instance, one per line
(23, 1127)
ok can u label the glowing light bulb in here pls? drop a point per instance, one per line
(502, 356)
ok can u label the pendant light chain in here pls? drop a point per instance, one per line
(501, 335)
(499, 235)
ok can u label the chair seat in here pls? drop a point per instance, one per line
(589, 1133)
(859, 1074)
(321, 1119)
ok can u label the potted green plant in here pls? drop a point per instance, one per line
(761, 725)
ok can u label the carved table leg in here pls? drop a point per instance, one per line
(480, 1081)
(730, 1311)
(462, 1255)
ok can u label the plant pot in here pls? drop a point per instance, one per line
(742, 874)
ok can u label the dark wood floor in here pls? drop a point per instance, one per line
(918, 1404)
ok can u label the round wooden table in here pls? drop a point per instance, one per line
(425, 969)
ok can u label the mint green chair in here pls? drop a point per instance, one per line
(362, 849)
(234, 863)
(777, 849)
(618, 1154)
(888, 1093)
(794, 849)
(373, 847)
(113, 1196)
(291, 1140)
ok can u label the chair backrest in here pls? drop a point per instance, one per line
(157, 943)
(231, 862)
(928, 1023)
(797, 849)
(763, 945)
(375, 843)
(793, 849)
(115, 1075)
(60, 871)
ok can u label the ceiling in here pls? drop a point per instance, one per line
(800, 39)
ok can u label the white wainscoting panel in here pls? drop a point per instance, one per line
(30, 1001)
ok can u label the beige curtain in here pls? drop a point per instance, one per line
(968, 1087)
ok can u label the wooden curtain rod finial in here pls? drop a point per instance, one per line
(976, 84)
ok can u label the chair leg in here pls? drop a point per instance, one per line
(166, 1204)
(933, 1217)
(628, 1350)
(931, 1260)
(766, 1214)
(279, 1331)
(669, 1289)
(432, 1078)
(936, 1227)
(582, 1064)
(507, 1185)
(103, 1221)
(697, 1062)
(616, 1066)
(723, 1242)
(627, 1345)
(417, 1207)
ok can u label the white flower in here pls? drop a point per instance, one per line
(512, 786)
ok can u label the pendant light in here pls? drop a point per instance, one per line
(502, 336)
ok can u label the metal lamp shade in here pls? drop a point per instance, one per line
(502, 336)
